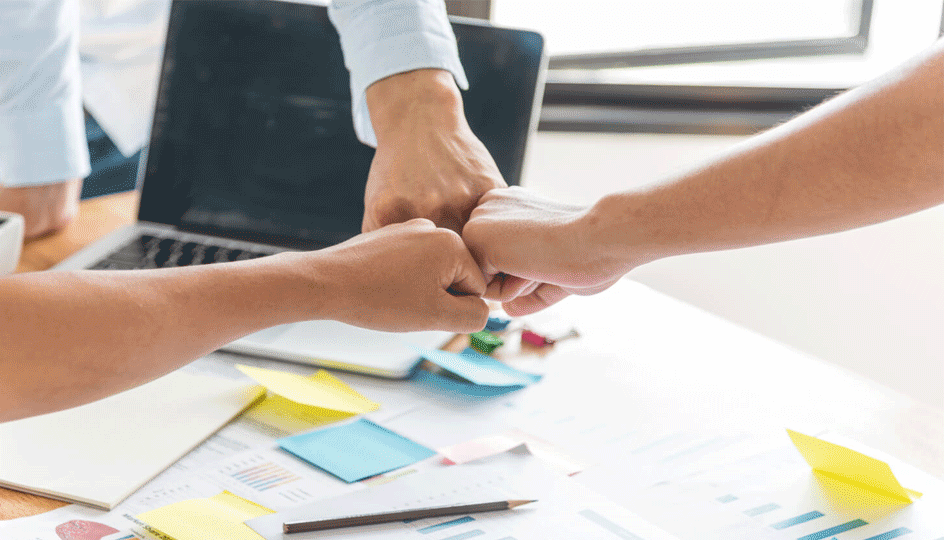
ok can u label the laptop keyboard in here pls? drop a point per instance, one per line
(147, 251)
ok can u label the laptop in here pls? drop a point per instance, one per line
(253, 152)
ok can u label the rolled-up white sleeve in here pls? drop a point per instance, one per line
(385, 37)
(42, 125)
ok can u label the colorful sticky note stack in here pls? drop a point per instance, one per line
(356, 451)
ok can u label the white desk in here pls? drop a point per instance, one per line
(661, 361)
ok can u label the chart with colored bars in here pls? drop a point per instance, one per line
(774, 495)
(466, 527)
(807, 517)
(273, 478)
(263, 476)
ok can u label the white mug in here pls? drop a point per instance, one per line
(11, 241)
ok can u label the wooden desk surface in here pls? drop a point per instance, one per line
(96, 218)
(716, 375)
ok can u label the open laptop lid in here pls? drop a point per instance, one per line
(253, 137)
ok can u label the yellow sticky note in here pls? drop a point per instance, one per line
(853, 468)
(220, 517)
(281, 417)
(320, 390)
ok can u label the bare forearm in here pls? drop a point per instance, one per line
(72, 337)
(870, 155)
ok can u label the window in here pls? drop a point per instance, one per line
(731, 66)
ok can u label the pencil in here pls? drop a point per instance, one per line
(403, 515)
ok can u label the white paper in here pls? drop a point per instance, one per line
(743, 499)
(564, 508)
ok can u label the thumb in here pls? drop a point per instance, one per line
(505, 287)
(465, 278)
(462, 314)
(544, 296)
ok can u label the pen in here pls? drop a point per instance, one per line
(402, 515)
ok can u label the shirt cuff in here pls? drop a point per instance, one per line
(44, 146)
(395, 37)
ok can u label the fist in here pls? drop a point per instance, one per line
(406, 277)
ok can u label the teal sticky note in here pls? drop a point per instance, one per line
(356, 451)
(459, 387)
(480, 369)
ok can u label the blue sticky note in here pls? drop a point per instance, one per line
(356, 451)
(480, 369)
(456, 387)
(497, 324)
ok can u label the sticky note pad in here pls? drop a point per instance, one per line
(356, 451)
(480, 369)
(852, 468)
(321, 390)
(221, 516)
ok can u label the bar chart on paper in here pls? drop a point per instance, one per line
(261, 476)
(774, 495)
(273, 479)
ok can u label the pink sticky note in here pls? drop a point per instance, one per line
(507, 441)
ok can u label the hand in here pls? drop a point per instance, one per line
(404, 277)
(428, 163)
(45, 208)
(535, 252)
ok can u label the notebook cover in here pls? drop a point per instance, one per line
(100, 453)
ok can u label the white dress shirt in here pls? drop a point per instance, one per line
(120, 43)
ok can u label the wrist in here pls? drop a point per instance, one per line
(401, 104)
(625, 232)
(300, 285)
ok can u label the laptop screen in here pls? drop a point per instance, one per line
(253, 136)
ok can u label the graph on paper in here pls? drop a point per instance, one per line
(261, 476)
(774, 495)
(272, 478)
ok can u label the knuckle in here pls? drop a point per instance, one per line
(394, 205)
(421, 223)
(448, 238)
